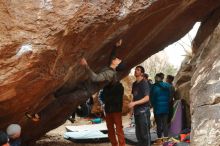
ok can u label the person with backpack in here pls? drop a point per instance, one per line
(141, 107)
(112, 95)
(107, 74)
(159, 97)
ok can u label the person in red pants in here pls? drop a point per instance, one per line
(113, 94)
(113, 100)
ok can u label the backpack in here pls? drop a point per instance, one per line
(113, 93)
(113, 96)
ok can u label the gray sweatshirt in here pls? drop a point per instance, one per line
(107, 74)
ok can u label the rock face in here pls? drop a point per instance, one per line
(41, 43)
(199, 80)
(205, 92)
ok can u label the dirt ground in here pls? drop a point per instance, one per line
(55, 137)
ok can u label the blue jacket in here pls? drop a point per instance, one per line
(159, 97)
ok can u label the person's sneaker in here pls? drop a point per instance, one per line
(34, 118)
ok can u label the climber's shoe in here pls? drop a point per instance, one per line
(34, 118)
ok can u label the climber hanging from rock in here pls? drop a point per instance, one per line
(107, 75)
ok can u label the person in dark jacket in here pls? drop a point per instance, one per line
(159, 97)
(4, 140)
(113, 99)
(113, 95)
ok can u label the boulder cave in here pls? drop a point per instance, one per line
(42, 42)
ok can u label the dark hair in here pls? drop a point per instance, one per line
(121, 66)
(111, 59)
(146, 75)
(3, 138)
(160, 75)
(170, 78)
(142, 68)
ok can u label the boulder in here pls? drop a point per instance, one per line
(42, 42)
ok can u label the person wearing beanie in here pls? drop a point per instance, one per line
(14, 132)
(4, 139)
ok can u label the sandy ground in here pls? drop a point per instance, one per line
(55, 137)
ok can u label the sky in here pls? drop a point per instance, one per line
(176, 52)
